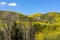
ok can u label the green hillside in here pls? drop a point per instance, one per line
(16, 26)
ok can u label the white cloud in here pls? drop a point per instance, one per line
(12, 4)
(7, 4)
(3, 3)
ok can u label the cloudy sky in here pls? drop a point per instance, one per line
(28, 7)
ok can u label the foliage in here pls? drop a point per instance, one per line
(15, 26)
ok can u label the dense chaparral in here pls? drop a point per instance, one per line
(16, 26)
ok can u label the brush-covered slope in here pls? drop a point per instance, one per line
(50, 17)
(16, 26)
(10, 24)
(5, 15)
(47, 26)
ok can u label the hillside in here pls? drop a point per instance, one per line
(16, 26)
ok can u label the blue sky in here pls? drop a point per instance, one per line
(29, 7)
